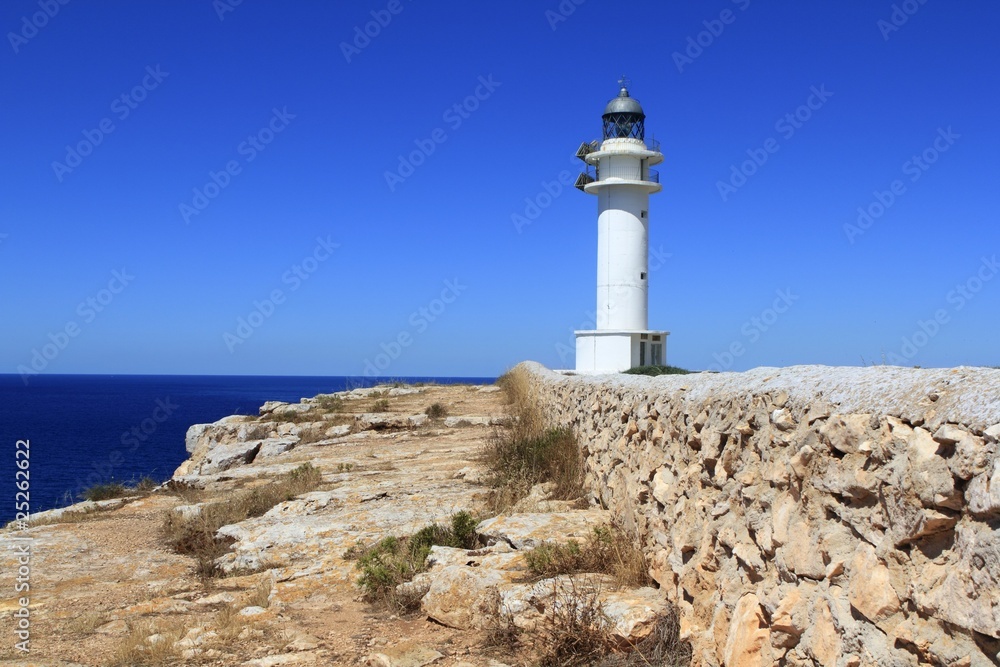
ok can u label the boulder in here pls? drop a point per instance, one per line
(524, 531)
(226, 456)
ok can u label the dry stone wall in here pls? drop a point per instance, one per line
(806, 515)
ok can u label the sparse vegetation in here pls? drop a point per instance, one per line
(576, 632)
(397, 560)
(260, 596)
(523, 452)
(607, 551)
(657, 370)
(662, 647)
(105, 491)
(195, 536)
(330, 403)
(285, 416)
(381, 405)
(86, 623)
(109, 490)
(436, 411)
(148, 643)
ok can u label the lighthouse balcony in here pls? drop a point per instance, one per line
(594, 178)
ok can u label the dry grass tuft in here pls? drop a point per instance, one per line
(609, 550)
(87, 622)
(436, 411)
(524, 451)
(576, 632)
(197, 536)
(662, 647)
(148, 644)
(261, 594)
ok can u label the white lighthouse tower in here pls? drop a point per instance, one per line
(619, 174)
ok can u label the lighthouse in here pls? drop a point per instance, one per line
(619, 173)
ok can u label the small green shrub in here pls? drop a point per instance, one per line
(381, 405)
(656, 370)
(397, 560)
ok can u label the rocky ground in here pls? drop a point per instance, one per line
(103, 578)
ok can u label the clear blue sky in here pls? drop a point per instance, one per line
(310, 127)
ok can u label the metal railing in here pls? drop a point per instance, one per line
(594, 174)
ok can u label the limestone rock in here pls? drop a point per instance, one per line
(338, 431)
(404, 656)
(460, 597)
(871, 591)
(983, 494)
(225, 456)
(276, 446)
(748, 643)
(469, 420)
(845, 433)
(524, 531)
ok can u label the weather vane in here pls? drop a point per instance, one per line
(624, 82)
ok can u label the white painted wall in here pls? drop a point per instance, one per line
(622, 258)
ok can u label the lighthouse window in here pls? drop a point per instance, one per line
(644, 214)
(642, 276)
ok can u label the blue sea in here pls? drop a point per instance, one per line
(83, 430)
